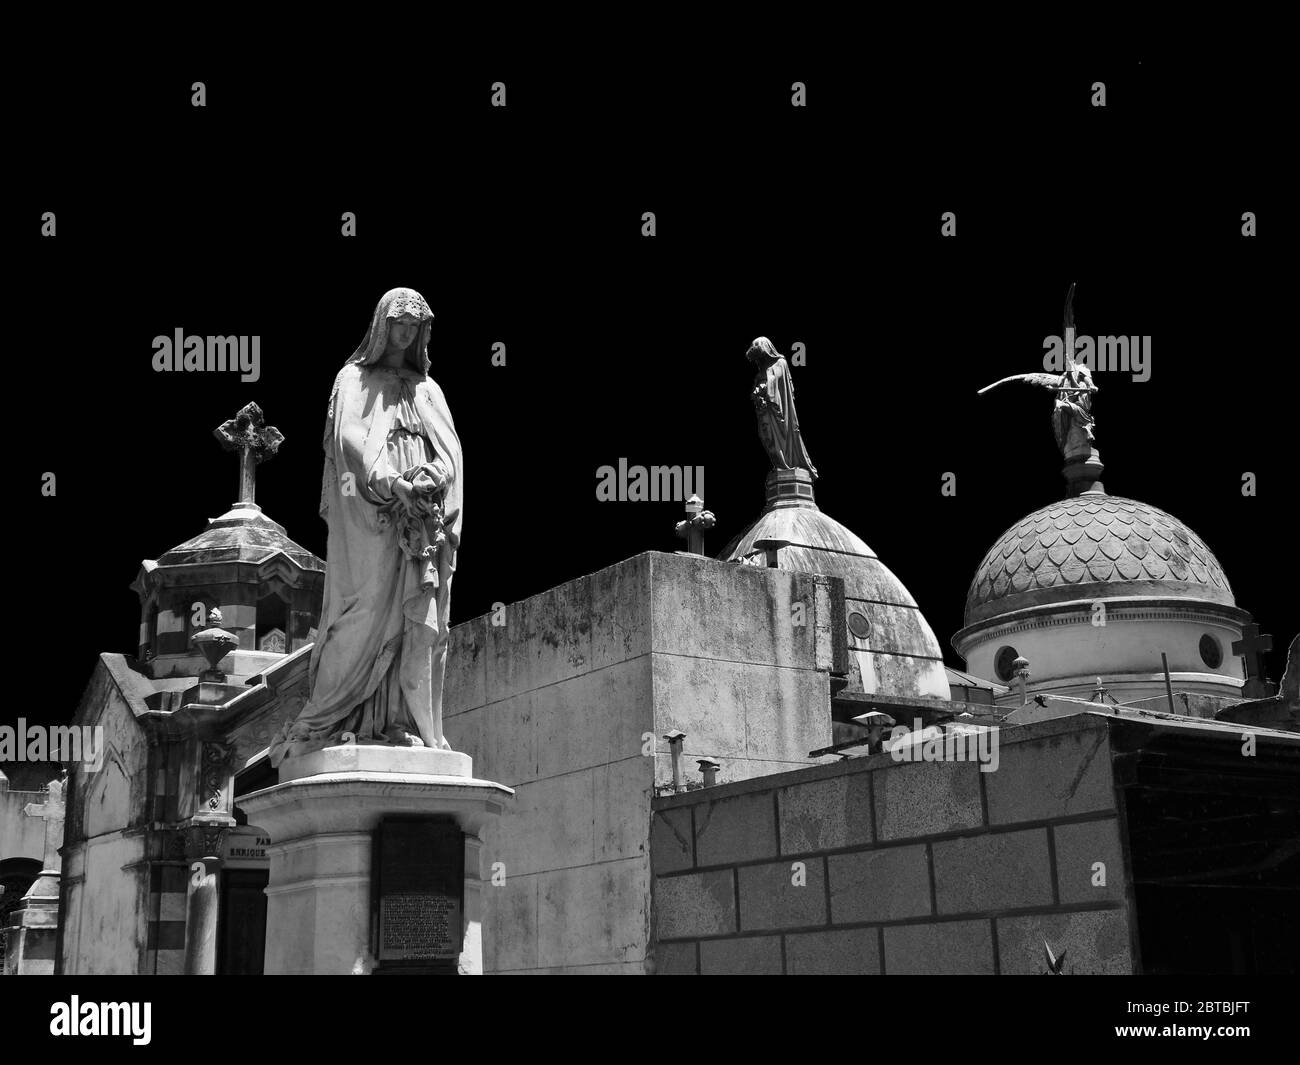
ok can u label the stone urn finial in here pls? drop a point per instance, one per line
(214, 643)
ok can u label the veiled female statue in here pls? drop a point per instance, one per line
(773, 396)
(391, 495)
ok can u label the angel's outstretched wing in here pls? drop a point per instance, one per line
(1042, 380)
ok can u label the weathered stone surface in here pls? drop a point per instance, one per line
(612, 897)
(1078, 848)
(769, 897)
(826, 814)
(671, 846)
(550, 825)
(677, 959)
(839, 952)
(737, 829)
(738, 711)
(925, 798)
(695, 904)
(1056, 776)
(545, 639)
(620, 611)
(510, 933)
(888, 884)
(753, 955)
(733, 613)
(944, 948)
(593, 719)
(998, 871)
(621, 795)
(1094, 942)
(465, 684)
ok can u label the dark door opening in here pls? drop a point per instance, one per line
(241, 933)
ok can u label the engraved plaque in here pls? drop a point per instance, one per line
(420, 879)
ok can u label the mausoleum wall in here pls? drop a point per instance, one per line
(566, 698)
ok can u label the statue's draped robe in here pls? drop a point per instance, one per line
(778, 425)
(381, 648)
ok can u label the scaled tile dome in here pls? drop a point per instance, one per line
(1094, 546)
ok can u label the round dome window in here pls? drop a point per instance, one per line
(1004, 665)
(859, 625)
(1211, 651)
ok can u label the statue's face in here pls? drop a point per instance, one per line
(403, 331)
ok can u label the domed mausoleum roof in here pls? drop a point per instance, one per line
(813, 542)
(892, 648)
(895, 649)
(1094, 546)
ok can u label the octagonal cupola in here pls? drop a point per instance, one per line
(267, 587)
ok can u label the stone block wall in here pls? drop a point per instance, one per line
(565, 697)
(877, 866)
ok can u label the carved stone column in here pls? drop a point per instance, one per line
(204, 843)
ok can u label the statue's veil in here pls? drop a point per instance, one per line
(392, 304)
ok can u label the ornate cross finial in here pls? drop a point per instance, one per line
(698, 521)
(248, 433)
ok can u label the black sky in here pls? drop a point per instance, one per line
(818, 225)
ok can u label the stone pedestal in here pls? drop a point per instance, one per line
(30, 939)
(31, 936)
(321, 820)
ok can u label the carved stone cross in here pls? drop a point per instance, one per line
(248, 433)
(52, 812)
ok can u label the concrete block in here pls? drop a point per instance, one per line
(593, 915)
(925, 798)
(621, 796)
(545, 639)
(1001, 871)
(708, 609)
(839, 952)
(465, 734)
(888, 884)
(786, 713)
(1057, 776)
(593, 719)
(769, 897)
(1094, 942)
(620, 611)
(550, 825)
(465, 686)
(695, 904)
(826, 814)
(751, 956)
(945, 948)
(677, 959)
(507, 748)
(671, 841)
(702, 698)
(1078, 848)
(510, 924)
(736, 829)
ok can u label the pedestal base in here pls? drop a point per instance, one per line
(29, 950)
(321, 818)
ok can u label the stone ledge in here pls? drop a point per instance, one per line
(367, 758)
